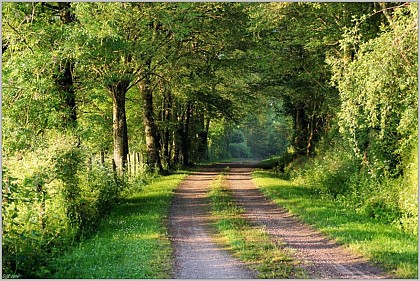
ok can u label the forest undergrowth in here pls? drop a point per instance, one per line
(336, 175)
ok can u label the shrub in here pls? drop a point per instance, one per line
(50, 199)
(335, 172)
(239, 150)
(99, 193)
(408, 194)
(379, 200)
(34, 225)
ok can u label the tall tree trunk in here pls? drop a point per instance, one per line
(150, 132)
(309, 146)
(176, 136)
(65, 79)
(66, 84)
(203, 149)
(120, 133)
(311, 125)
(300, 144)
(176, 146)
(167, 103)
(185, 141)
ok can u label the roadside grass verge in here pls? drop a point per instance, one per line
(250, 244)
(393, 249)
(131, 243)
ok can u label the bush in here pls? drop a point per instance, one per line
(50, 198)
(329, 173)
(337, 173)
(239, 150)
(378, 200)
(99, 193)
(409, 194)
(34, 226)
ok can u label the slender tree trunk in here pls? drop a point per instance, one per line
(205, 139)
(65, 81)
(176, 145)
(203, 149)
(152, 152)
(185, 141)
(310, 139)
(388, 15)
(66, 84)
(120, 133)
(176, 138)
(302, 128)
(65, 77)
(176, 134)
(298, 129)
(166, 133)
(311, 125)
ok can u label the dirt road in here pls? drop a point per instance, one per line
(197, 255)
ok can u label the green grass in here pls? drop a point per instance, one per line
(395, 250)
(249, 243)
(132, 243)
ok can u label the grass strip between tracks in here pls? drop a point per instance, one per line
(250, 244)
(394, 249)
(131, 244)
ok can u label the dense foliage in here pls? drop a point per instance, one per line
(98, 97)
(367, 156)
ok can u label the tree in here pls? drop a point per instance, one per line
(378, 90)
(294, 42)
(122, 46)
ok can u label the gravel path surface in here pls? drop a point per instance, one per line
(319, 256)
(196, 254)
